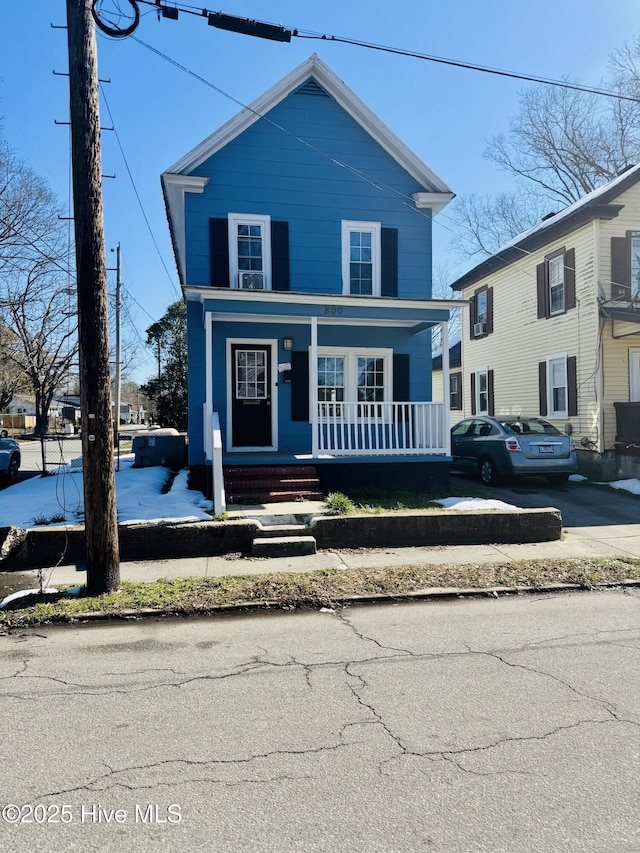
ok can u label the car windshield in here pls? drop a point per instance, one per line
(529, 426)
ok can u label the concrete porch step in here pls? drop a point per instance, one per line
(283, 546)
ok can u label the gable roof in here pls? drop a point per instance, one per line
(595, 205)
(315, 68)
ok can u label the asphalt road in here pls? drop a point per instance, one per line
(581, 504)
(485, 725)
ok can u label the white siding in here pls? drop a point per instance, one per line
(520, 340)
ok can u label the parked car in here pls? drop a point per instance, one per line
(513, 446)
(9, 458)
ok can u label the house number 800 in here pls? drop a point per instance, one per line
(333, 309)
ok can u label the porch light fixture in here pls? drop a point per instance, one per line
(287, 343)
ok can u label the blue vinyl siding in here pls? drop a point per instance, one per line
(268, 171)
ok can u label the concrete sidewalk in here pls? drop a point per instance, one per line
(588, 542)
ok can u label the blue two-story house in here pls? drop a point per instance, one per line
(302, 235)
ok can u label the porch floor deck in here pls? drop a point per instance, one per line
(279, 458)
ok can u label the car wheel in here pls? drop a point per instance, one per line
(488, 473)
(558, 479)
(12, 469)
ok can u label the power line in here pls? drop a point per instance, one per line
(137, 194)
(298, 32)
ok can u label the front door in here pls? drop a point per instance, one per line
(251, 395)
(634, 375)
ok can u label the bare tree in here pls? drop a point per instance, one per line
(36, 302)
(441, 289)
(561, 145)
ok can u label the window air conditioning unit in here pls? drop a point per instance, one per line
(478, 329)
(251, 280)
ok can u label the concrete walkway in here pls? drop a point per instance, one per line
(604, 541)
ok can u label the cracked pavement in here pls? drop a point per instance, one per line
(488, 725)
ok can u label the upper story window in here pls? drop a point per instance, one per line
(625, 266)
(556, 283)
(250, 251)
(361, 258)
(481, 312)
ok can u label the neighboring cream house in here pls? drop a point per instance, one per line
(554, 327)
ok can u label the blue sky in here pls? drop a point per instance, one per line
(444, 114)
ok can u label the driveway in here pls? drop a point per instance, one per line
(581, 505)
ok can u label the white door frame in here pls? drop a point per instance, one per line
(273, 344)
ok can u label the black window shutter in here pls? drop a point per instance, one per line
(219, 252)
(572, 386)
(473, 393)
(401, 377)
(490, 398)
(300, 386)
(542, 278)
(489, 310)
(389, 262)
(569, 279)
(472, 316)
(280, 256)
(620, 268)
(542, 387)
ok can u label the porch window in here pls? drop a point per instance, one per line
(353, 377)
(250, 251)
(361, 258)
(330, 384)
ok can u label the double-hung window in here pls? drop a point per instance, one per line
(354, 376)
(361, 258)
(556, 284)
(557, 386)
(250, 251)
(634, 239)
(482, 392)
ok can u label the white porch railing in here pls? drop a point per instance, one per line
(219, 497)
(382, 429)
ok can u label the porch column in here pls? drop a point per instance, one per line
(207, 408)
(446, 393)
(313, 387)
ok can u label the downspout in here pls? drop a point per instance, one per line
(208, 391)
(313, 387)
(446, 395)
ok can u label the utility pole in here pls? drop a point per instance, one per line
(101, 530)
(118, 382)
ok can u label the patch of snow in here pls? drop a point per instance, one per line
(138, 498)
(21, 593)
(473, 503)
(632, 485)
(577, 478)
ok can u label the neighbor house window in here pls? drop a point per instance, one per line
(250, 251)
(635, 265)
(556, 283)
(361, 258)
(455, 391)
(481, 312)
(557, 386)
(482, 392)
